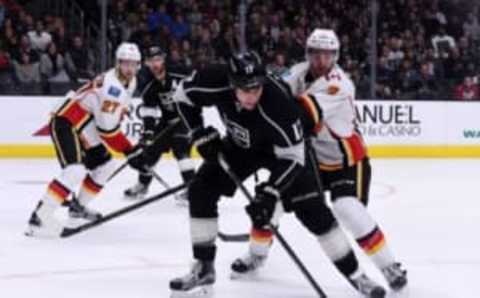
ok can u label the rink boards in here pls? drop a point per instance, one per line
(390, 128)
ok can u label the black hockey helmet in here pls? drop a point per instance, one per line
(154, 50)
(246, 70)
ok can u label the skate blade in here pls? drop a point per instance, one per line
(133, 198)
(401, 293)
(75, 222)
(251, 275)
(399, 287)
(38, 232)
(201, 291)
(181, 203)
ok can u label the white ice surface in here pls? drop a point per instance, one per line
(430, 210)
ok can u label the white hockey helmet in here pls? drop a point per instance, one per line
(128, 51)
(323, 39)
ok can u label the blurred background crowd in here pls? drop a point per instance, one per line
(408, 49)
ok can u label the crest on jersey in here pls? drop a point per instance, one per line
(114, 91)
(332, 89)
(239, 134)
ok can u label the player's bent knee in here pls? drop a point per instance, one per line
(334, 243)
(102, 172)
(202, 199)
(181, 149)
(96, 157)
(72, 175)
(315, 216)
(353, 215)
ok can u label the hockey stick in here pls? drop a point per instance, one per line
(223, 236)
(68, 232)
(245, 237)
(274, 229)
(159, 179)
(157, 138)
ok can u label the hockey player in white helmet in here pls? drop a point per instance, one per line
(328, 95)
(81, 126)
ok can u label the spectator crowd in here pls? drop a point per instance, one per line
(425, 49)
(37, 56)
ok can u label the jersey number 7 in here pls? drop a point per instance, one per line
(298, 130)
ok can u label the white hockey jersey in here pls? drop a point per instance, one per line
(97, 109)
(337, 141)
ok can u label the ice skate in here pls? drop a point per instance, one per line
(79, 213)
(181, 198)
(396, 276)
(197, 283)
(247, 265)
(42, 223)
(367, 287)
(136, 192)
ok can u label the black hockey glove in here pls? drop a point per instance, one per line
(136, 158)
(208, 143)
(262, 207)
(147, 138)
(150, 147)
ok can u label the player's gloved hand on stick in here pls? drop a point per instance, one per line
(261, 209)
(150, 146)
(136, 158)
(208, 142)
(147, 138)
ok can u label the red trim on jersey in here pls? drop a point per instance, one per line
(117, 140)
(309, 104)
(75, 113)
(354, 148)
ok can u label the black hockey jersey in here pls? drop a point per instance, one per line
(157, 95)
(272, 130)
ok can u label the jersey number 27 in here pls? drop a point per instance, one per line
(109, 106)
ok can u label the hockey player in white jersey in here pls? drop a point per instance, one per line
(327, 95)
(80, 126)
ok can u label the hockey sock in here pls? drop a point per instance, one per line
(203, 233)
(338, 250)
(89, 190)
(187, 169)
(260, 241)
(94, 182)
(145, 178)
(354, 216)
(60, 188)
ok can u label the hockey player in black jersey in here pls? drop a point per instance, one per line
(156, 84)
(263, 131)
